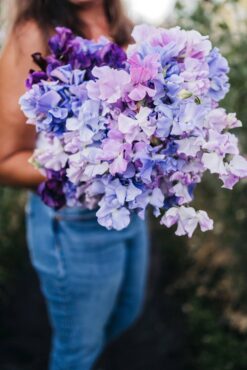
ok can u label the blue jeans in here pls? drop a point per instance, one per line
(93, 279)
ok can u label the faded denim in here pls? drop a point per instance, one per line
(93, 279)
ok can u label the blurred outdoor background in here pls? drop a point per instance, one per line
(196, 311)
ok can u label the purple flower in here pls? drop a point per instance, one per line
(235, 170)
(117, 219)
(52, 190)
(218, 69)
(50, 153)
(187, 219)
(110, 84)
(60, 43)
(124, 132)
(111, 55)
(35, 77)
(66, 48)
(196, 76)
(142, 71)
(40, 61)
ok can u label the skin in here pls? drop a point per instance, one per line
(17, 139)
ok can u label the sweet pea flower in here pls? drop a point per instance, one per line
(93, 170)
(113, 218)
(221, 143)
(182, 193)
(187, 219)
(189, 119)
(50, 154)
(112, 55)
(189, 146)
(110, 84)
(214, 163)
(196, 76)
(88, 122)
(153, 197)
(238, 166)
(216, 119)
(34, 102)
(112, 213)
(123, 132)
(142, 71)
(218, 69)
(72, 142)
(197, 46)
(236, 169)
(143, 32)
(119, 165)
(51, 191)
(132, 127)
(76, 168)
(147, 126)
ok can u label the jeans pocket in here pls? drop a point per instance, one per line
(44, 247)
(91, 251)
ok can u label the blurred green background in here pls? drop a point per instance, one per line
(196, 311)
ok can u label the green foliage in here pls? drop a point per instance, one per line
(214, 287)
(12, 236)
(214, 345)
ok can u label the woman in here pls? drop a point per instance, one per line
(93, 280)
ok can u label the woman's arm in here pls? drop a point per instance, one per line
(16, 171)
(17, 139)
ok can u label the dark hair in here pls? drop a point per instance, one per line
(51, 13)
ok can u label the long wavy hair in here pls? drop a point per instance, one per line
(51, 13)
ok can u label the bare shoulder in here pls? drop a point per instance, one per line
(23, 41)
(29, 36)
(15, 64)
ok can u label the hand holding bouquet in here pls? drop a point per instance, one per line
(123, 131)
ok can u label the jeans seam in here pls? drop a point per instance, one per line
(61, 265)
(60, 217)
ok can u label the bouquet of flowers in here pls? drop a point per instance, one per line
(120, 131)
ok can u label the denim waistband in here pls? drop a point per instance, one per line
(72, 213)
(35, 203)
(36, 208)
